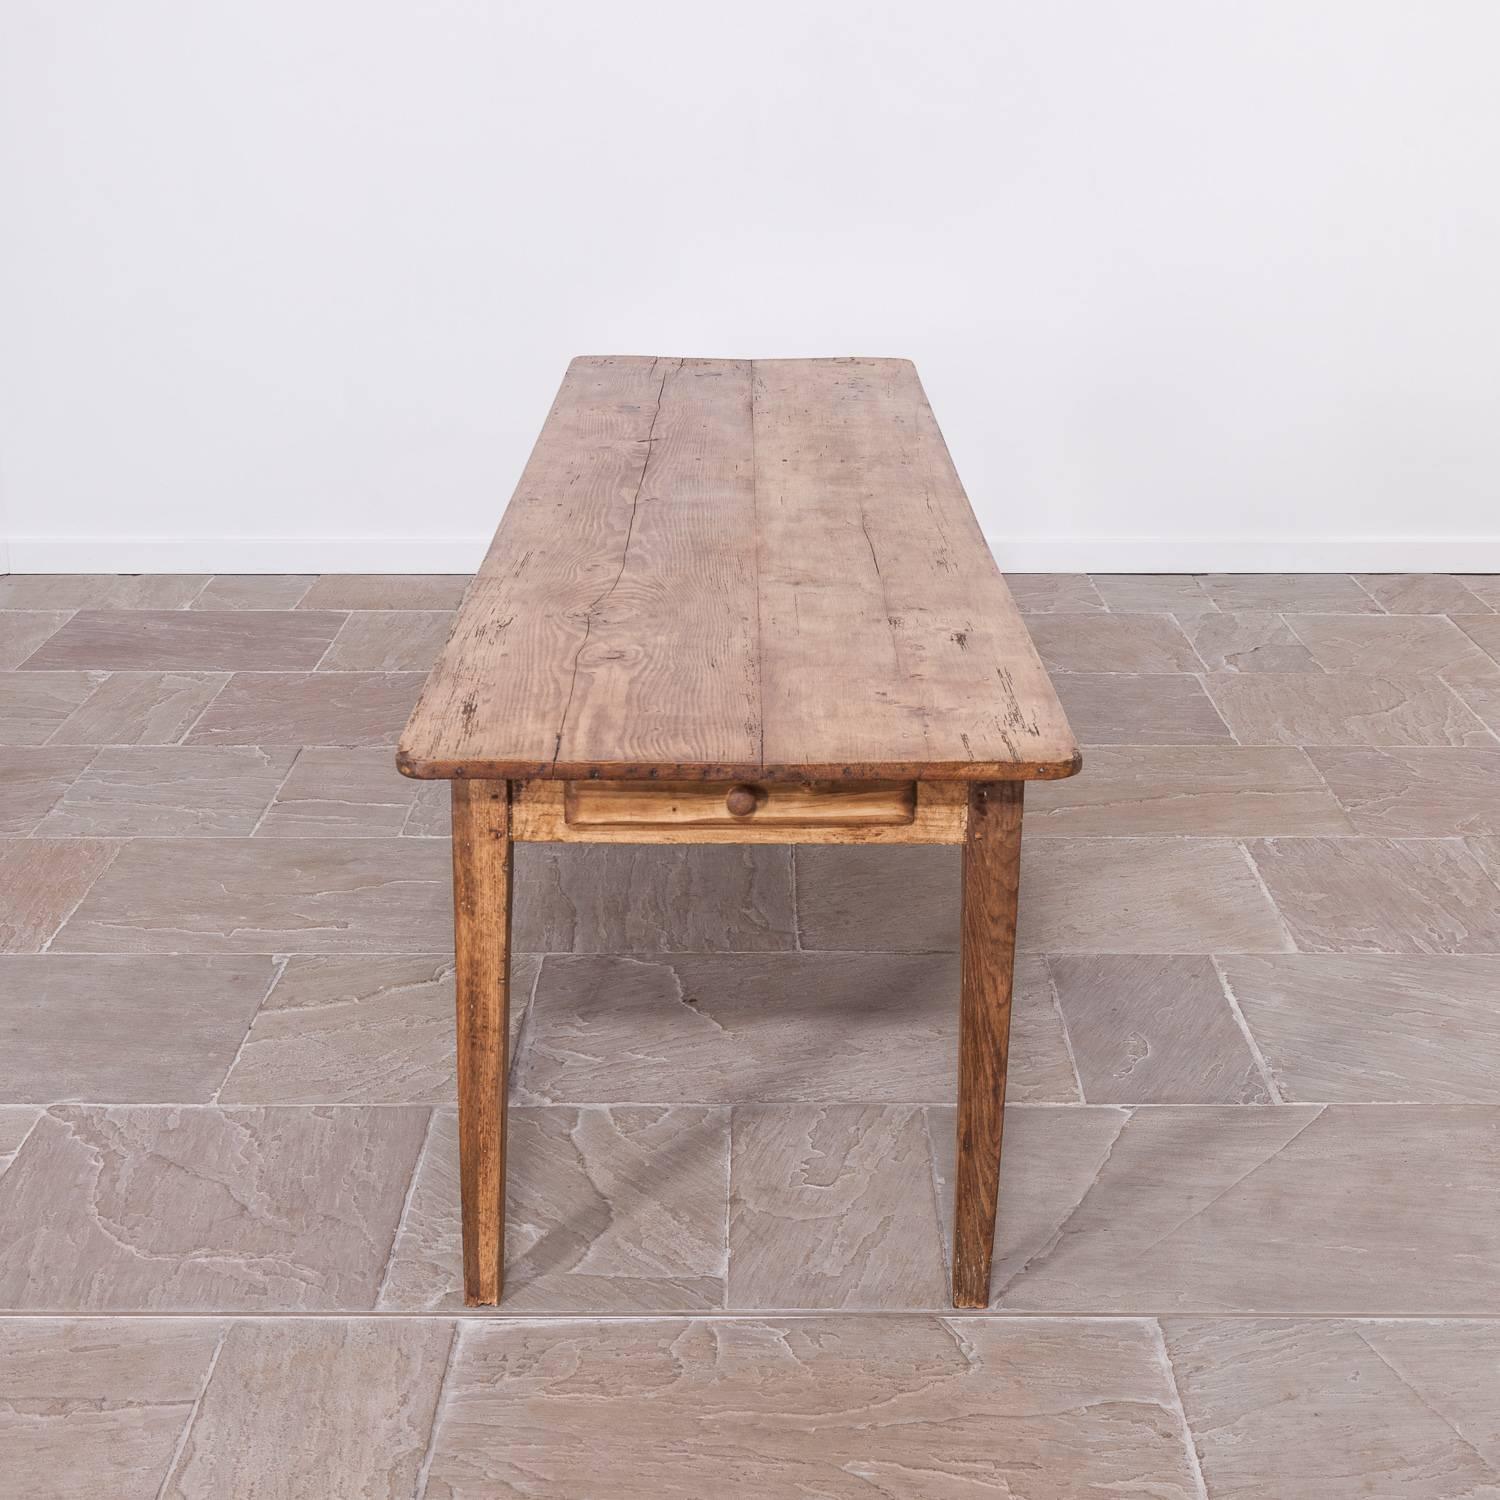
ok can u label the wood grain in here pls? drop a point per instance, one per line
(725, 570)
(991, 878)
(481, 918)
(711, 804)
(540, 815)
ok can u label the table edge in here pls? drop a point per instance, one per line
(428, 768)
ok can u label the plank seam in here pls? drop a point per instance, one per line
(588, 618)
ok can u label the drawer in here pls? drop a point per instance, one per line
(738, 804)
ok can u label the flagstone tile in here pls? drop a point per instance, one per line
(41, 881)
(254, 591)
(1483, 630)
(1414, 792)
(1339, 1409)
(608, 1211)
(832, 1206)
(431, 813)
(325, 1406)
(186, 640)
(1421, 593)
(1038, 593)
(1080, 895)
(140, 708)
(1343, 708)
(590, 898)
(919, 1407)
(1454, 1366)
(100, 590)
(268, 896)
(336, 791)
(192, 1210)
(31, 780)
(1377, 895)
(310, 708)
(1481, 694)
(360, 1029)
(199, 791)
(1168, 593)
(1487, 852)
(1188, 789)
(1339, 1209)
(92, 1407)
(1388, 644)
(387, 591)
(1331, 593)
(1112, 643)
(1147, 708)
(1373, 1028)
(389, 641)
(34, 704)
(766, 1027)
(16, 1121)
(905, 900)
(1154, 1029)
(1247, 641)
(1484, 586)
(22, 631)
(152, 1029)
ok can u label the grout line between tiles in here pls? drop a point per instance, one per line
(1062, 1021)
(200, 593)
(439, 1408)
(1468, 708)
(214, 697)
(525, 1029)
(1262, 1066)
(192, 1416)
(1368, 595)
(41, 1109)
(99, 874)
(278, 968)
(265, 812)
(1190, 1446)
(406, 1197)
(333, 641)
(944, 1230)
(1203, 667)
(1423, 1400)
(1234, 739)
(1260, 880)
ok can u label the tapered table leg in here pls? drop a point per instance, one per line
(991, 877)
(481, 917)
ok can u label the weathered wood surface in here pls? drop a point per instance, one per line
(541, 815)
(481, 920)
(726, 570)
(991, 879)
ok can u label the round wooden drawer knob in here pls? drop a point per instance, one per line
(741, 801)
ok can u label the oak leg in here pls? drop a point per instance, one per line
(481, 921)
(991, 877)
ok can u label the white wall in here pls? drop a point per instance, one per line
(1193, 284)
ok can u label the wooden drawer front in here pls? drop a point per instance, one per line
(708, 804)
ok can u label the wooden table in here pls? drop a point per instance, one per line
(737, 601)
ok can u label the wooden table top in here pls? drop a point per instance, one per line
(739, 569)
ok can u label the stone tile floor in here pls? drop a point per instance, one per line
(1250, 1228)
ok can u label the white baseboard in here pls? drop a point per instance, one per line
(246, 554)
(1016, 554)
(1247, 554)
